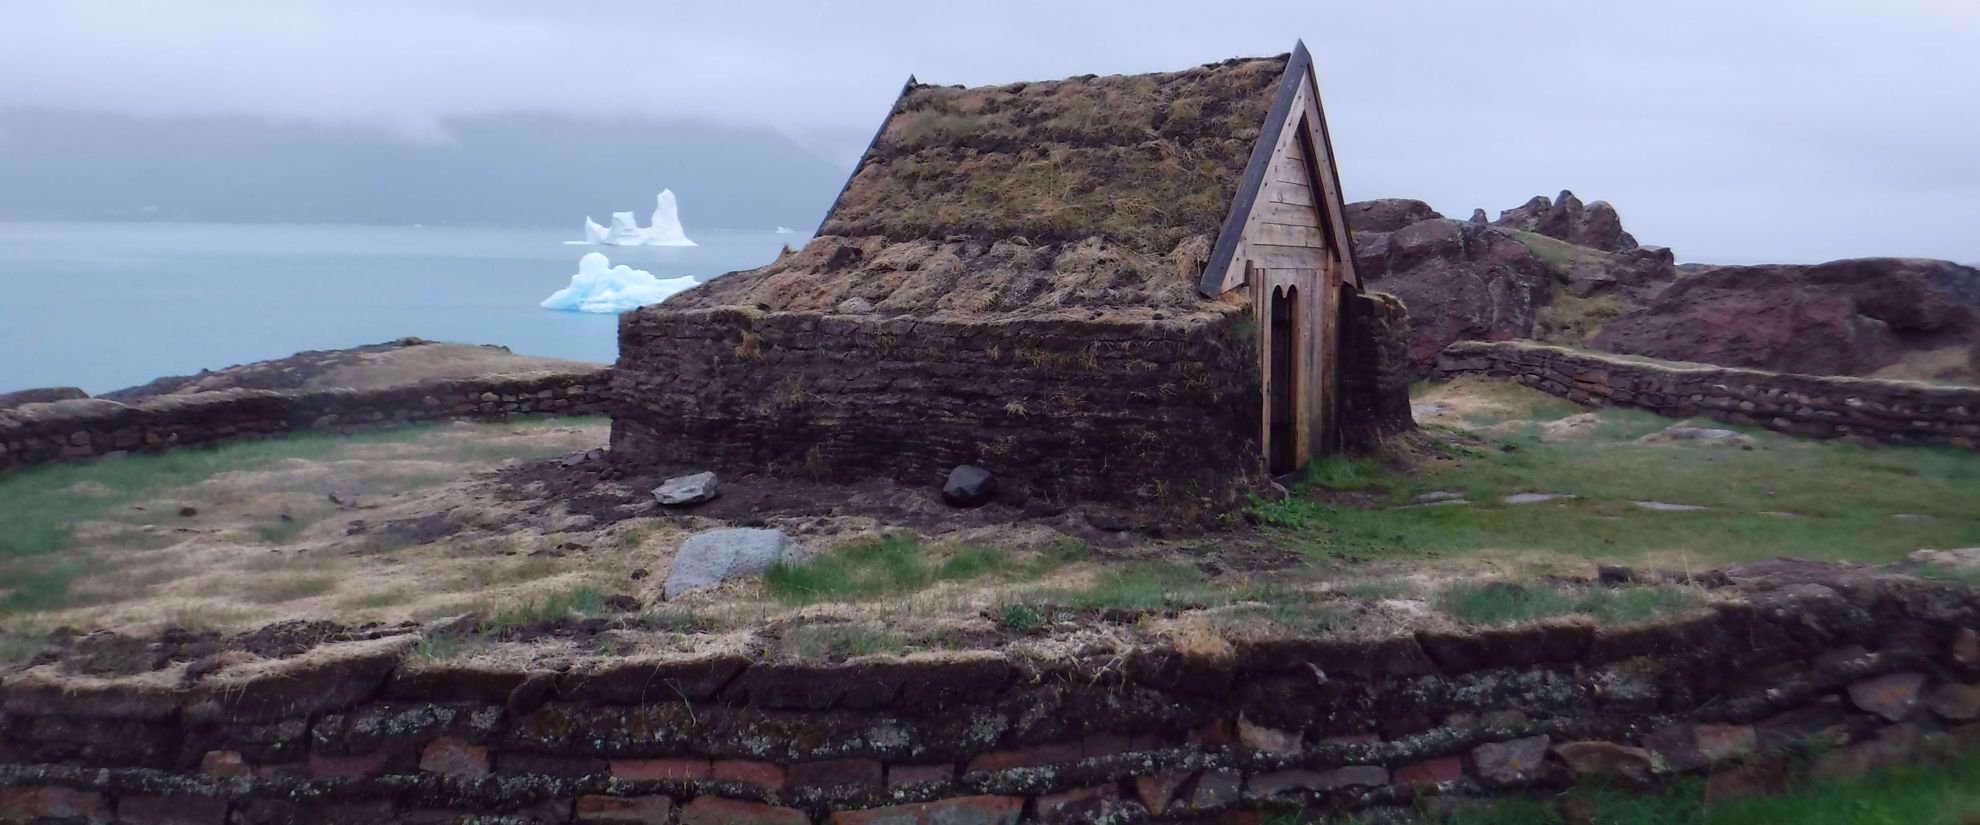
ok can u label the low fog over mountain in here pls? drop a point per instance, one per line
(503, 170)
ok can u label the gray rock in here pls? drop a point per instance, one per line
(689, 489)
(710, 558)
(1667, 507)
(855, 306)
(969, 486)
(1438, 495)
(1533, 498)
(39, 395)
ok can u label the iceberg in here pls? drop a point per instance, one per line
(593, 234)
(599, 286)
(666, 229)
(625, 229)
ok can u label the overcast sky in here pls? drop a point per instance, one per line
(1730, 130)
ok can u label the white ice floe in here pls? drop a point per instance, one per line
(599, 286)
(625, 229)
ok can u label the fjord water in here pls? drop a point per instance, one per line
(103, 306)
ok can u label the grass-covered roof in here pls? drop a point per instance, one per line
(1084, 193)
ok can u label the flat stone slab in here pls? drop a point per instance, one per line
(1438, 495)
(710, 558)
(1667, 507)
(688, 489)
(1447, 502)
(1534, 498)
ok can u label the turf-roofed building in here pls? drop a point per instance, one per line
(1135, 289)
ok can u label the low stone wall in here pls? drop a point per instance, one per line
(1899, 412)
(94, 427)
(1159, 416)
(1873, 667)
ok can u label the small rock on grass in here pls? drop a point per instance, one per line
(1533, 498)
(1667, 507)
(1438, 495)
(710, 558)
(969, 486)
(688, 489)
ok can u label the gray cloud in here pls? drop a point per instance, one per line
(1757, 130)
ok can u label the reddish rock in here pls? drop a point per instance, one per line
(452, 757)
(1517, 762)
(1891, 696)
(171, 810)
(1026, 757)
(904, 775)
(566, 767)
(645, 810)
(1156, 791)
(1215, 789)
(862, 774)
(1957, 703)
(1268, 740)
(1430, 772)
(1214, 734)
(966, 810)
(1720, 742)
(32, 804)
(1766, 777)
(1893, 746)
(1966, 645)
(224, 763)
(1606, 759)
(345, 767)
(759, 774)
(714, 810)
(661, 769)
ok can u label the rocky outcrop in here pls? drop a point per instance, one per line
(1848, 317)
(1596, 225)
(39, 395)
(1460, 280)
(1566, 273)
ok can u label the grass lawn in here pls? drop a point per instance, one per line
(1943, 793)
(1784, 496)
(64, 523)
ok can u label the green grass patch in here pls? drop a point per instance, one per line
(1145, 585)
(287, 588)
(1495, 603)
(1943, 793)
(898, 564)
(577, 602)
(842, 640)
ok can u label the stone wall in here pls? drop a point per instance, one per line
(1158, 415)
(1375, 371)
(1849, 669)
(94, 427)
(1899, 412)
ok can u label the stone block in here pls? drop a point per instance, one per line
(1955, 702)
(30, 804)
(763, 775)
(1892, 696)
(225, 764)
(171, 810)
(715, 810)
(661, 769)
(1518, 762)
(1157, 790)
(1430, 773)
(624, 810)
(860, 774)
(965, 810)
(1606, 759)
(453, 757)
(1032, 757)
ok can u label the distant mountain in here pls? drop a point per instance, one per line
(501, 170)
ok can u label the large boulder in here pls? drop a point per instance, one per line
(1387, 214)
(710, 558)
(1460, 280)
(1595, 225)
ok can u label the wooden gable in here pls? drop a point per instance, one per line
(1288, 213)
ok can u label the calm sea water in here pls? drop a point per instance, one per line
(108, 305)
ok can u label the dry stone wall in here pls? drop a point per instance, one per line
(93, 427)
(1850, 668)
(1157, 415)
(1375, 371)
(1899, 412)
